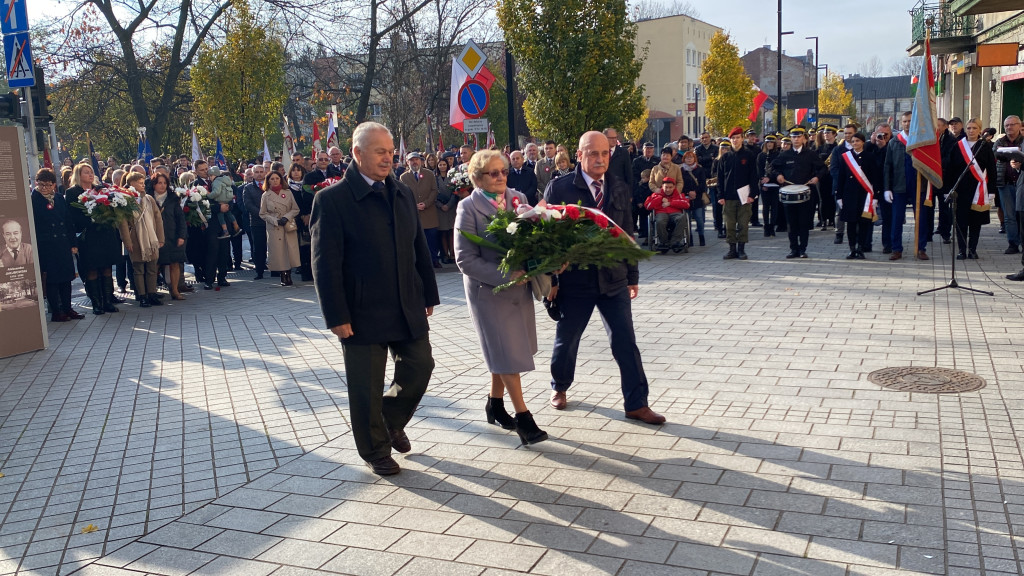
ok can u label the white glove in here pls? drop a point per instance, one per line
(888, 196)
(874, 203)
(840, 204)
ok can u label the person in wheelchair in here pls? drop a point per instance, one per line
(669, 207)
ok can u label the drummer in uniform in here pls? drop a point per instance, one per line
(798, 166)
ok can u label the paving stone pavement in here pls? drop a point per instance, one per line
(210, 436)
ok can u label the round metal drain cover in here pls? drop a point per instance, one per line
(927, 380)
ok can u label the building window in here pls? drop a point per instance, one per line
(375, 110)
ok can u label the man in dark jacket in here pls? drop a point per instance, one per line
(1006, 180)
(798, 165)
(620, 165)
(252, 197)
(738, 188)
(376, 286)
(609, 289)
(522, 178)
(646, 162)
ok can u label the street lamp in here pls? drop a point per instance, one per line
(815, 38)
(778, 91)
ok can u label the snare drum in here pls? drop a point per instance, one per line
(794, 194)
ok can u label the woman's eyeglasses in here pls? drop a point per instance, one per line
(495, 173)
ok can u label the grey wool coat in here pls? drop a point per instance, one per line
(505, 322)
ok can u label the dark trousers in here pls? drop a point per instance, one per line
(945, 216)
(969, 231)
(716, 209)
(885, 213)
(372, 411)
(826, 206)
(218, 257)
(58, 296)
(640, 221)
(258, 247)
(236, 249)
(770, 208)
(1020, 230)
(433, 244)
(799, 218)
(753, 213)
(926, 219)
(616, 312)
(855, 231)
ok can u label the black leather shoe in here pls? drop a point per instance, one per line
(946, 240)
(1012, 249)
(852, 255)
(259, 276)
(803, 254)
(154, 300)
(1018, 277)
(972, 255)
(793, 254)
(838, 240)
(385, 466)
(961, 256)
(886, 250)
(399, 441)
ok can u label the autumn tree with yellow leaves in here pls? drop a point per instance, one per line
(239, 86)
(730, 91)
(577, 65)
(833, 97)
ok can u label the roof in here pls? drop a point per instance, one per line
(864, 88)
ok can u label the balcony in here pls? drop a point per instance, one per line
(949, 32)
(971, 7)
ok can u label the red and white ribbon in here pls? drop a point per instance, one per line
(858, 173)
(980, 202)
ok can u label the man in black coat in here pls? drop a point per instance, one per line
(620, 165)
(609, 289)
(375, 282)
(798, 165)
(320, 172)
(646, 162)
(522, 178)
(252, 197)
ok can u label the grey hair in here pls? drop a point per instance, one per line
(361, 135)
(480, 161)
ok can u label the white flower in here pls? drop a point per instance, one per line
(512, 227)
(555, 214)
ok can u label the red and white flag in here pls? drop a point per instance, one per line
(490, 138)
(317, 147)
(759, 101)
(401, 149)
(332, 134)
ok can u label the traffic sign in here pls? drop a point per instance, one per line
(472, 58)
(18, 56)
(473, 99)
(475, 126)
(13, 16)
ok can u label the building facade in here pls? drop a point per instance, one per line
(798, 73)
(880, 99)
(676, 48)
(967, 87)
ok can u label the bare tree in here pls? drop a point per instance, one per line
(871, 68)
(651, 9)
(908, 66)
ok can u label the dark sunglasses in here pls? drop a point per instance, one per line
(495, 173)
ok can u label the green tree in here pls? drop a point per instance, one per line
(730, 91)
(239, 87)
(577, 65)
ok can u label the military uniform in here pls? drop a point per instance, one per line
(798, 168)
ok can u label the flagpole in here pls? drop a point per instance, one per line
(917, 212)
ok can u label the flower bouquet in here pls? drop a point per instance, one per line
(321, 185)
(541, 240)
(109, 205)
(196, 206)
(458, 181)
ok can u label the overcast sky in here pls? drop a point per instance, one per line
(850, 31)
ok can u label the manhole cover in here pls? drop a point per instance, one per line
(928, 380)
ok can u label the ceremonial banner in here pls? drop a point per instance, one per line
(22, 322)
(923, 141)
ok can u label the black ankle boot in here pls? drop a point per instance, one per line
(496, 414)
(527, 429)
(107, 294)
(92, 290)
(701, 239)
(839, 238)
(741, 252)
(731, 253)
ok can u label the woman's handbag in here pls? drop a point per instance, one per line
(705, 199)
(290, 226)
(541, 286)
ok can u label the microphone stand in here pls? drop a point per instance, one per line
(951, 200)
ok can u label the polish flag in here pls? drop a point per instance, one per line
(759, 101)
(317, 147)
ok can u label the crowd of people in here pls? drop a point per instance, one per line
(371, 230)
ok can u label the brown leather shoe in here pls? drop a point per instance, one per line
(558, 400)
(896, 256)
(922, 255)
(645, 414)
(399, 441)
(385, 466)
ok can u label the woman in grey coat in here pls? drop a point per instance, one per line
(505, 322)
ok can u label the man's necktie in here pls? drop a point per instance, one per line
(598, 195)
(15, 252)
(378, 187)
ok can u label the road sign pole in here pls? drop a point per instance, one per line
(33, 154)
